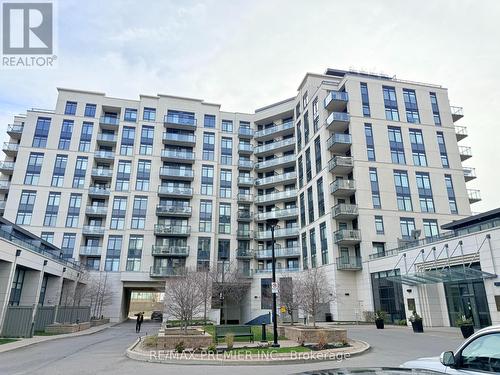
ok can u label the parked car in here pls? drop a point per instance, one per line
(479, 354)
(157, 316)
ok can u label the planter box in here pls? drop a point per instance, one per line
(417, 326)
(467, 330)
(312, 335)
(379, 323)
(66, 328)
(98, 322)
(192, 338)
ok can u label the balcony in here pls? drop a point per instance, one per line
(338, 121)
(7, 167)
(469, 174)
(347, 237)
(10, 149)
(349, 264)
(244, 132)
(4, 186)
(2, 205)
(339, 143)
(278, 233)
(102, 173)
(244, 234)
(90, 251)
(245, 149)
(172, 251)
(245, 198)
(278, 196)
(274, 147)
(173, 210)
(245, 164)
(173, 173)
(456, 113)
(15, 130)
(244, 254)
(93, 230)
(166, 271)
(104, 156)
(106, 139)
(474, 195)
(465, 152)
(277, 179)
(283, 214)
(345, 211)
(172, 230)
(99, 192)
(174, 191)
(336, 101)
(279, 252)
(343, 188)
(244, 273)
(245, 181)
(108, 122)
(244, 215)
(341, 165)
(180, 122)
(274, 131)
(179, 139)
(96, 210)
(177, 156)
(281, 162)
(460, 132)
(278, 270)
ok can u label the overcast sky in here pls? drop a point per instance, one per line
(246, 54)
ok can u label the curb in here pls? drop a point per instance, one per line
(282, 360)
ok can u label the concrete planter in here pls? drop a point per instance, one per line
(303, 334)
(168, 338)
(66, 328)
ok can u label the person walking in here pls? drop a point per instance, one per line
(140, 318)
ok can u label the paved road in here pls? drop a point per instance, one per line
(102, 353)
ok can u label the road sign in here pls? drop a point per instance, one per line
(274, 288)
(283, 309)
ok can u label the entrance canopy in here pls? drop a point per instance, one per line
(434, 276)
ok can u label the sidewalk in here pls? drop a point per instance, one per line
(21, 343)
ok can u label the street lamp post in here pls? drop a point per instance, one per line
(273, 223)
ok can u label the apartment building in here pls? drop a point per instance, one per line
(355, 164)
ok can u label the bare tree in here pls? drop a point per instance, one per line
(313, 289)
(98, 293)
(288, 296)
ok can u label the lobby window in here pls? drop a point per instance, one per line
(59, 170)
(365, 100)
(149, 114)
(90, 110)
(41, 132)
(86, 137)
(306, 127)
(74, 205)
(206, 209)
(33, 169)
(208, 146)
(425, 192)
(123, 175)
(207, 180)
(52, 209)
(431, 228)
(418, 147)
(80, 172)
(321, 197)
(147, 137)
(299, 137)
(65, 136)
(225, 183)
(411, 106)
(203, 254)
(139, 211)
(390, 103)
(407, 226)
(226, 154)
(127, 145)
(135, 245)
(68, 245)
(70, 108)
(113, 254)
(227, 126)
(403, 194)
(310, 204)
(130, 115)
(143, 175)
(302, 211)
(305, 257)
(370, 144)
(442, 150)
(435, 109)
(209, 121)
(375, 188)
(379, 224)
(312, 244)
(396, 145)
(317, 153)
(301, 171)
(118, 213)
(451, 194)
(224, 218)
(323, 243)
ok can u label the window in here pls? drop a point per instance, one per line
(425, 192)
(323, 243)
(375, 188)
(75, 203)
(315, 110)
(396, 145)
(407, 226)
(312, 244)
(17, 287)
(321, 197)
(435, 109)
(203, 255)
(225, 183)
(365, 99)
(90, 110)
(209, 121)
(68, 245)
(139, 211)
(47, 236)
(306, 127)
(379, 248)
(41, 132)
(297, 110)
(225, 218)
(430, 228)
(59, 170)
(442, 150)
(305, 257)
(370, 145)
(53, 203)
(86, 137)
(411, 106)
(80, 171)
(301, 171)
(302, 211)
(310, 204)
(207, 180)
(135, 245)
(227, 126)
(143, 175)
(305, 100)
(481, 355)
(403, 193)
(123, 175)
(451, 194)
(299, 137)
(266, 296)
(130, 115)
(149, 114)
(113, 253)
(317, 153)
(226, 155)
(127, 146)
(65, 136)
(208, 146)
(33, 169)
(118, 213)
(308, 165)
(147, 136)
(206, 209)
(417, 147)
(223, 250)
(379, 224)
(390, 103)
(70, 108)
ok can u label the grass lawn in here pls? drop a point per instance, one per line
(6, 341)
(256, 330)
(43, 333)
(293, 349)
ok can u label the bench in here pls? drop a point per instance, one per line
(238, 331)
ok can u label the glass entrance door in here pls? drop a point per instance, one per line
(468, 298)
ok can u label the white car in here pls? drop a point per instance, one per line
(479, 354)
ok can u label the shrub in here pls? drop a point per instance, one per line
(380, 315)
(211, 349)
(322, 341)
(179, 347)
(403, 322)
(369, 316)
(415, 317)
(229, 338)
(151, 341)
(463, 321)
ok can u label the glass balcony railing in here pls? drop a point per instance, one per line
(338, 164)
(242, 180)
(279, 252)
(104, 137)
(90, 251)
(155, 271)
(4, 185)
(244, 234)
(173, 210)
(338, 119)
(15, 129)
(474, 195)
(245, 197)
(278, 233)
(336, 98)
(244, 215)
(278, 270)
(276, 162)
(102, 172)
(174, 190)
(244, 253)
(98, 190)
(469, 173)
(244, 273)
(245, 164)
(96, 210)
(274, 129)
(175, 230)
(178, 137)
(349, 263)
(167, 250)
(245, 147)
(246, 132)
(2, 205)
(344, 210)
(347, 235)
(180, 155)
(176, 172)
(180, 120)
(465, 152)
(276, 179)
(339, 139)
(274, 146)
(93, 230)
(460, 132)
(341, 185)
(105, 155)
(107, 120)
(7, 165)
(265, 198)
(10, 147)
(456, 113)
(278, 214)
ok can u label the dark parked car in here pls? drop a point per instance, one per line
(157, 316)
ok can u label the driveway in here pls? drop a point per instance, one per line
(103, 353)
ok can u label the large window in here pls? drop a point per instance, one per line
(130, 115)
(390, 103)
(407, 226)
(118, 213)
(435, 109)
(431, 228)
(86, 137)
(68, 245)
(317, 153)
(123, 175)
(225, 218)
(208, 146)
(302, 210)
(135, 244)
(370, 144)
(33, 169)
(70, 108)
(305, 256)
(65, 136)
(59, 170)
(139, 211)
(207, 179)
(321, 197)
(418, 147)
(266, 296)
(147, 137)
(206, 209)
(223, 250)
(425, 192)
(225, 183)
(149, 114)
(403, 193)
(323, 243)
(308, 165)
(209, 121)
(113, 254)
(442, 150)
(80, 172)
(451, 194)
(300, 168)
(375, 188)
(75, 203)
(226, 155)
(306, 127)
(143, 175)
(41, 132)
(90, 110)
(312, 243)
(396, 145)
(227, 126)
(411, 106)
(127, 145)
(203, 255)
(365, 101)
(310, 204)
(52, 209)
(379, 224)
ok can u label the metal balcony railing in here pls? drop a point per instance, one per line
(274, 145)
(102, 172)
(340, 162)
(168, 250)
(96, 210)
(342, 185)
(104, 137)
(278, 233)
(101, 154)
(7, 165)
(279, 252)
(176, 172)
(245, 147)
(93, 230)
(245, 164)
(273, 129)
(177, 137)
(174, 190)
(15, 129)
(164, 229)
(173, 210)
(97, 190)
(244, 253)
(244, 131)
(275, 162)
(11, 147)
(245, 197)
(339, 139)
(4, 185)
(335, 96)
(181, 155)
(180, 120)
(279, 178)
(106, 120)
(90, 251)
(344, 209)
(287, 194)
(351, 235)
(245, 180)
(278, 214)
(349, 263)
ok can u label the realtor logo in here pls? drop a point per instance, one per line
(27, 28)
